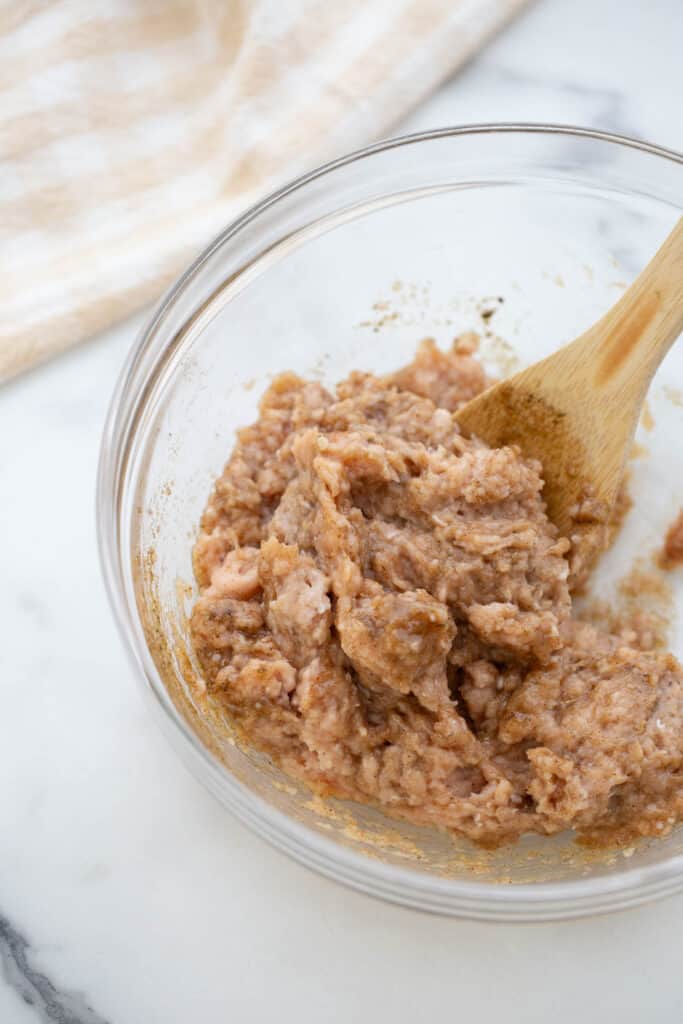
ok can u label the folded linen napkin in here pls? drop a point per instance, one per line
(131, 131)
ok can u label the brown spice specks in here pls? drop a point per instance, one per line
(674, 395)
(646, 418)
(671, 554)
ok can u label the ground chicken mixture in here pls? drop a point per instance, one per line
(385, 610)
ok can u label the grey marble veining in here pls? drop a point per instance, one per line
(603, 64)
(35, 988)
(609, 105)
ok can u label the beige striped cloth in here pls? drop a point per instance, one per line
(132, 131)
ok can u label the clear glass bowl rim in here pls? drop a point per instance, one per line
(454, 897)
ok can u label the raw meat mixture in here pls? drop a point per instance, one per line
(385, 610)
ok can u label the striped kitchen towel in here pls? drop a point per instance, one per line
(131, 131)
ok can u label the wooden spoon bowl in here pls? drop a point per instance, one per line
(577, 410)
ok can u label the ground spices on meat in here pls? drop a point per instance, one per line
(385, 610)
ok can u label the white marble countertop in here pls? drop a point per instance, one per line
(126, 893)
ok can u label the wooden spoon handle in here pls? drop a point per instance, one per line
(634, 336)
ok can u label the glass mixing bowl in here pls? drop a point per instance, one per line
(525, 233)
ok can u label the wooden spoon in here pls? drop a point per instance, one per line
(578, 409)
